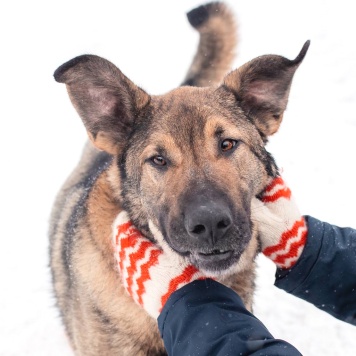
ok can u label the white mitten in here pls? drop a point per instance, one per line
(282, 229)
(150, 274)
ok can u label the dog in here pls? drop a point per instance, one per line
(190, 161)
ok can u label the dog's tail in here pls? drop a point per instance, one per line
(217, 29)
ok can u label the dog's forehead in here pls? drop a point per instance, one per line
(190, 102)
(190, 113)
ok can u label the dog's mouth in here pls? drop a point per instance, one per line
(212, 261)
(216, 259)
(215, 255)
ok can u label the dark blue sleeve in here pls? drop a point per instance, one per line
(207, 318)
(325, 274)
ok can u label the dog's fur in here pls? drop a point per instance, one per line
(182, 160)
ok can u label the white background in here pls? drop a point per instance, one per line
(152, 43)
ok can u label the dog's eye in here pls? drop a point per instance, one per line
(228, 145)
(158, 161)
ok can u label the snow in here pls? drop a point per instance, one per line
(152, 44)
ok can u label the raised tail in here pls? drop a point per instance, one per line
(217, 29)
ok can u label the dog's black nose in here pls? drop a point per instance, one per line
(207, 222)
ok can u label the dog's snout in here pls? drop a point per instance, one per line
(207, 223)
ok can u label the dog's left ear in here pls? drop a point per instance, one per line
(262, 86)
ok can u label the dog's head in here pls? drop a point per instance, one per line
(191, 160)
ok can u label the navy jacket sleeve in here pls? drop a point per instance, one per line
(207, 318)
(325, 274)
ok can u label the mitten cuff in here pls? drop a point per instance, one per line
(291, 244)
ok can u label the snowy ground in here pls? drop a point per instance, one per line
(152, 44)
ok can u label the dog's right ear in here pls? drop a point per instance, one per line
(105, 99)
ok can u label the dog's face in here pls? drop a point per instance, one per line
(190, 160)
(194, 168)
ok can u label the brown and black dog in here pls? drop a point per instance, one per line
(190, 161)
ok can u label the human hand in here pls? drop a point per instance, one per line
(282, 229)
(149, 273)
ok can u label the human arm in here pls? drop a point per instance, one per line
(207, 318)
(325, 273)
(315, 261)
